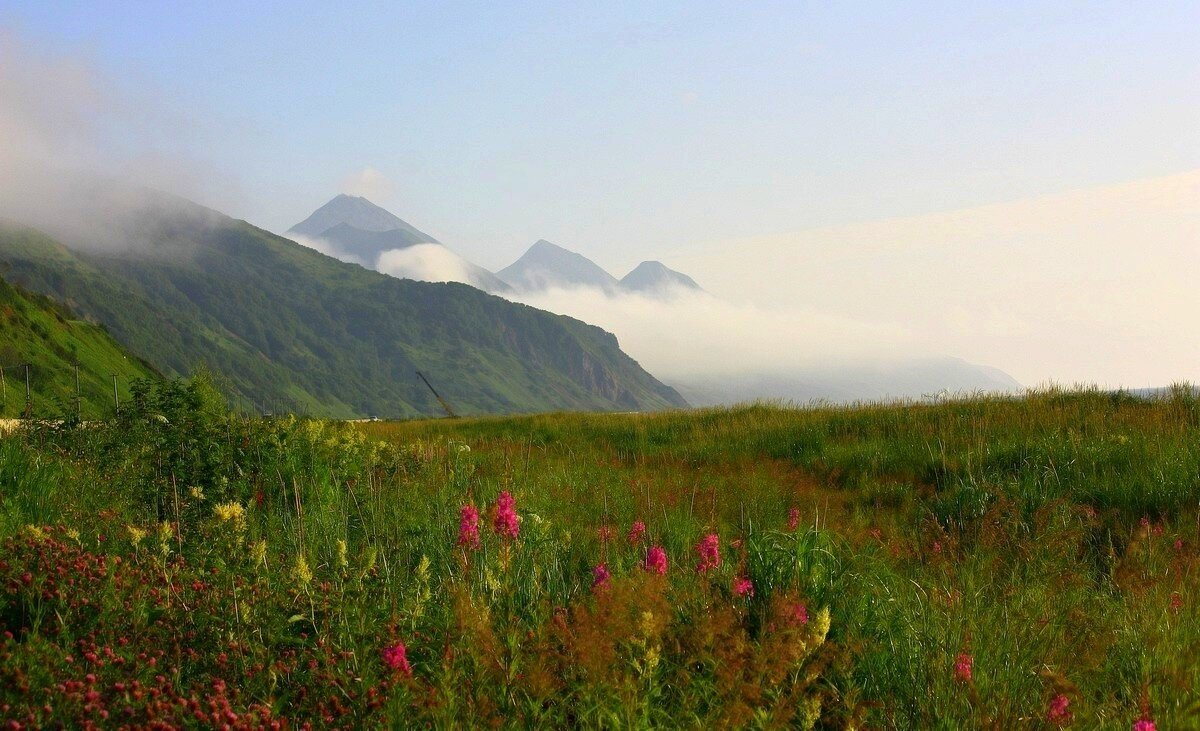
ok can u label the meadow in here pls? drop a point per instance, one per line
(978, 563)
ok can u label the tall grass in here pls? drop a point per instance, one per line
(1048, 544)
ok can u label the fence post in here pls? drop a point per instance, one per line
(78, 397)
(28, 396)
(116, 399)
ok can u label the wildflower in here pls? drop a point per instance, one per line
(342, 560)
(136, 535)
(302, 572)
(396, 658)
(165, 533)
(1176, 602)
(810, 711)
(73, 534)
(793, 519)
(820, 626)
(743, 586)
(937, 547)
(1144, 724)
(605, 533)
(600, 577)
(232, 513)
(258, 553)
(656, 561)
(709, 550)
(962, 667)
(1058, 712)
(800, 614)
(468, 527)
(647, 624)
(35, 533)
(506, 523)
(197, 493)
(636, 531)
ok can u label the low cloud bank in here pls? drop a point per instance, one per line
(425, 262)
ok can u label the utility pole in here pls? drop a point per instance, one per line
(116, 399)
(442, 401)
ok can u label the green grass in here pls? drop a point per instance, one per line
(38, 331)
(1052, 540)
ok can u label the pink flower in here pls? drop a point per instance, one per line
(636, 531)
(506, 523)
(1176, 602)
(600, 577)
(468, 527)
(709, 550)
(962, 667)
(396, 658)
(793, 519)
(656, 561)
(1144, 724)
(937, 547)
(743, 586)
(1058, 712)
(800, 614)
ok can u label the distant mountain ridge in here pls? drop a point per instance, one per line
(354, 229)
(548, 266)
(274, 319)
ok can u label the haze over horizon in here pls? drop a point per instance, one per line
(1015, 185)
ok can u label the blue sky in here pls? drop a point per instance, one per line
(628, 129)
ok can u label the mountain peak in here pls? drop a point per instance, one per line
(654, 277)
(359, 213)
(546, 265)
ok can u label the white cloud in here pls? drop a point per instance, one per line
(368, 183)
(425, 262)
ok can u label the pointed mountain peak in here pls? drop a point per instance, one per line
(546, 265)
(654, 277)
(357, 212)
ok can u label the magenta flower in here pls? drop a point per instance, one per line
(793, 519)
(743, 586)
(656, 561)
(800, 614)
(1058, 712)
(396, 658)
(636, 531)
(709, 550)
(600, 577)
(1144, 724)
(506, 523)
(962, 667)
(468, 527)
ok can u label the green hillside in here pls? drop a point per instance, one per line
(38, 331)
(275, 320)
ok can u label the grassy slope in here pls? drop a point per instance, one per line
(36, 330)
(277, 320)
(1053, 541)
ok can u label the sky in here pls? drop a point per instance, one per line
(863, 159)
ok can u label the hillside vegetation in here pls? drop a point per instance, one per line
(977, 564)
(40, 332)
(277, 321)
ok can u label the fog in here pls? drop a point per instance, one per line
(90, 161)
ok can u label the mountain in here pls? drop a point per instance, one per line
(276, 320)
(902, 379)
(358, 213)
(654, 278)
(545, 266)
(38, 331)
(356, 230)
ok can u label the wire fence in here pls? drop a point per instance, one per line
(25, 394)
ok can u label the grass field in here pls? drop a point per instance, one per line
(983, 563)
